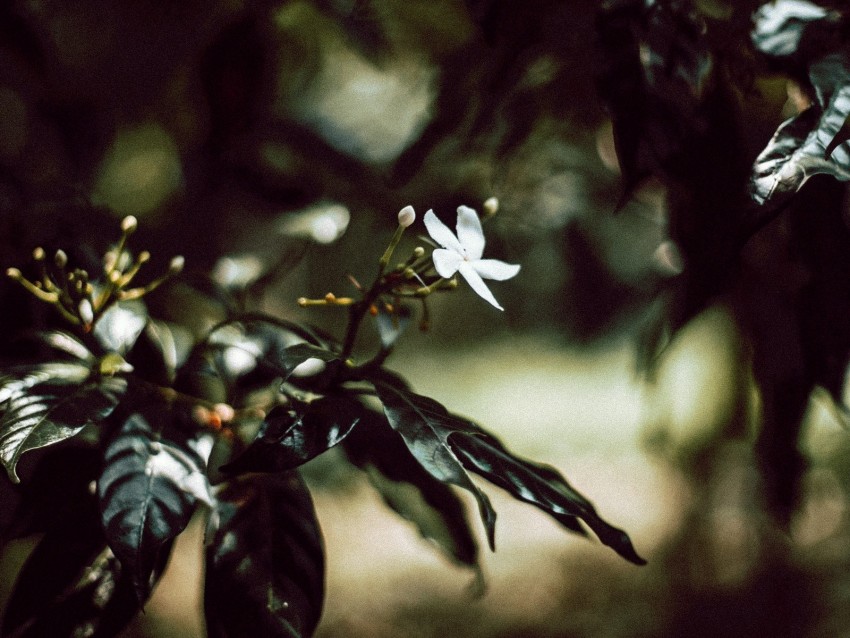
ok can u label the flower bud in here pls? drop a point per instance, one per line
(38, 254)
(491, 206)
(60, 258)
(129, 224)
(176, 264)
(85, 311)
(406, 216)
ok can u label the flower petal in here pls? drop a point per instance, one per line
(477, 284)
(446, 262)
(495, 269)
(440, 233)
(470, 233)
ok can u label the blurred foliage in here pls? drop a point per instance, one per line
(265, 140)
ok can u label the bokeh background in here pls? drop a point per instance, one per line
(274, 142)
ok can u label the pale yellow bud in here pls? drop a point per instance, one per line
(406, 216)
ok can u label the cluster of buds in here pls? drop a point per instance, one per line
(412, 278)
(82, 301)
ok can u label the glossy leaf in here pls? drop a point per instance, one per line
(432, 506)
(795, 29)
(420, 423)
(814, 142)
(52, 412)
(119, 327)
(20, 379)
(152, 479)
(448, 445)
(71, 584)
(265, 562)
(291, 435)
(256, 350)
(161, 349)
(66, 343)
(805, 39)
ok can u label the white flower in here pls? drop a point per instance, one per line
(462, 253)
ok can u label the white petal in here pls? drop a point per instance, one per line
(470, 233)
(477, 284)
(495, 269)
(440, 233)
(446, 261)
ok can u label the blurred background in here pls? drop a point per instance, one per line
(272, 144)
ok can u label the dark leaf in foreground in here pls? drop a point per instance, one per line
(408, 489)
(71, 584)
(291, 435)
(447, 446)
(656, 68)
(52, 412)
(265, 563)
(160, 350)
(151, 482)
(52, 491)
(420, 423)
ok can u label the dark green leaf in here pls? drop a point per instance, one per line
(152, 479)
(291, 435)
(16, 381)
(420, 423)
(408, 489)
(265, 562)
(120, 326)
(70, 585)
(52, 412)
(52, 490)
(448, 445)
(656, 68)
(161, 349)
(252, 352)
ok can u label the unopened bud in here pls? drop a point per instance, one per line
(38, 254)
(144, 257)
(418, 252)
(406, 216)
(491, 206)
(330, 297)
(225, 412)
(14, 273)
(302, 301)
(86, 312)
(129, 224)
(60, 258)
(176, 265)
